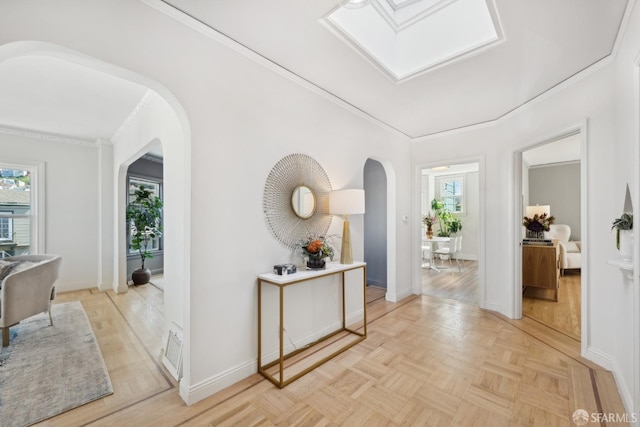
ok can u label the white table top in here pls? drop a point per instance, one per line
(303, 274)
(437, 239)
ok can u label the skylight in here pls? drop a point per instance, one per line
(407, 37)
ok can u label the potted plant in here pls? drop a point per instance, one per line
(316, 250)
(537, 225)
(144, 217)
(447, 223)
(624, 235)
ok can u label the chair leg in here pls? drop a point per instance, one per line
(50, 317)
(5, 336)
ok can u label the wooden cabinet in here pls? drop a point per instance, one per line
(541, 267)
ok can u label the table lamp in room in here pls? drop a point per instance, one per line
(346, 202)
(531, 211)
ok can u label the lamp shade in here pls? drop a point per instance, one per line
(532, 211)
(346, 202)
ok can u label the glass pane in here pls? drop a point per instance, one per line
(154, 187)
(452, 194)
(15, 202)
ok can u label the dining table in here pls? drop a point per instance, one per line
(430, 241)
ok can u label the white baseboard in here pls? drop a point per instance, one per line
(602, 359)
(609, 363)
(493, 306)
(210, 386)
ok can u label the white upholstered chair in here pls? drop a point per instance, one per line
(570, 251)
(26, 288)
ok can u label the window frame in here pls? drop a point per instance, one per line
(37, 243)
(8, 216)
(156, 185)
(446, 179)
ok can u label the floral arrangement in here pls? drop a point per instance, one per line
(317, 247)
(429, 219)
(538, 223)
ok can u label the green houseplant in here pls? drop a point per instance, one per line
(144, 217)
(447, 223)
(623, 225)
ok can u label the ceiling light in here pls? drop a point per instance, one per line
(354, 4)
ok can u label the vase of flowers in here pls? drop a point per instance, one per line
(429, 220)
(316, 250)
(624, 235)
(537, 225)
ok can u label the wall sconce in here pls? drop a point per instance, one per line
(346, 202)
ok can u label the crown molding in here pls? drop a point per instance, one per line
(182, 17)
(32, 134)
(133, 115)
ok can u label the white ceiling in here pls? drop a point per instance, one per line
(546, 42)
(56, 97)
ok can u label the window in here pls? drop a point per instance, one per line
(451, 192)
(155, 188)
(17, 210)
(6, 226)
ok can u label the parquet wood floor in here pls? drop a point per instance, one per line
(451, 283)
(426, 361)
(563, 315)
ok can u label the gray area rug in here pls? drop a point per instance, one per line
(47, 370)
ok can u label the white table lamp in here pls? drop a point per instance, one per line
(346, 202)
(531, 211)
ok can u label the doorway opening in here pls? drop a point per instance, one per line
(147, 172)
(375, 229)
(551, 182)
(449, 253)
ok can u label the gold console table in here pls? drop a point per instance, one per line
(300, 277)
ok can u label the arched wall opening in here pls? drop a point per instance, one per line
(391, 235)
(159, 118)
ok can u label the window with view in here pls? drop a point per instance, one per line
(451, 192)
(15, 211)
(155, 188)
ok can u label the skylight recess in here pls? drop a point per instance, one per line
(406, 37)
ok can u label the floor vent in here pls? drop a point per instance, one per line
(173, 353)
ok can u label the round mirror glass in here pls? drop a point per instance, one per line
(303, 202)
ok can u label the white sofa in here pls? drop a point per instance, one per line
(27, 288)
(570, 251)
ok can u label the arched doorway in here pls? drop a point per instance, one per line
(375, 230)
(157, 117)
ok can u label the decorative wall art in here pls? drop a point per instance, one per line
(296, 200)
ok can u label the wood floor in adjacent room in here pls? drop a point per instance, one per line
(563, 315)
(426, 361)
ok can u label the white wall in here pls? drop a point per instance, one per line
(244, 117)
(71, 207)
(606, 100)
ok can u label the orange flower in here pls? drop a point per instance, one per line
(314, 246)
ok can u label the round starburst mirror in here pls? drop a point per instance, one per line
(296, 200)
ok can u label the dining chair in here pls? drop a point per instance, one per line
(445, 250)
(456, 253)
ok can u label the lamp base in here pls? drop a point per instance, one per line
(345, 253)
